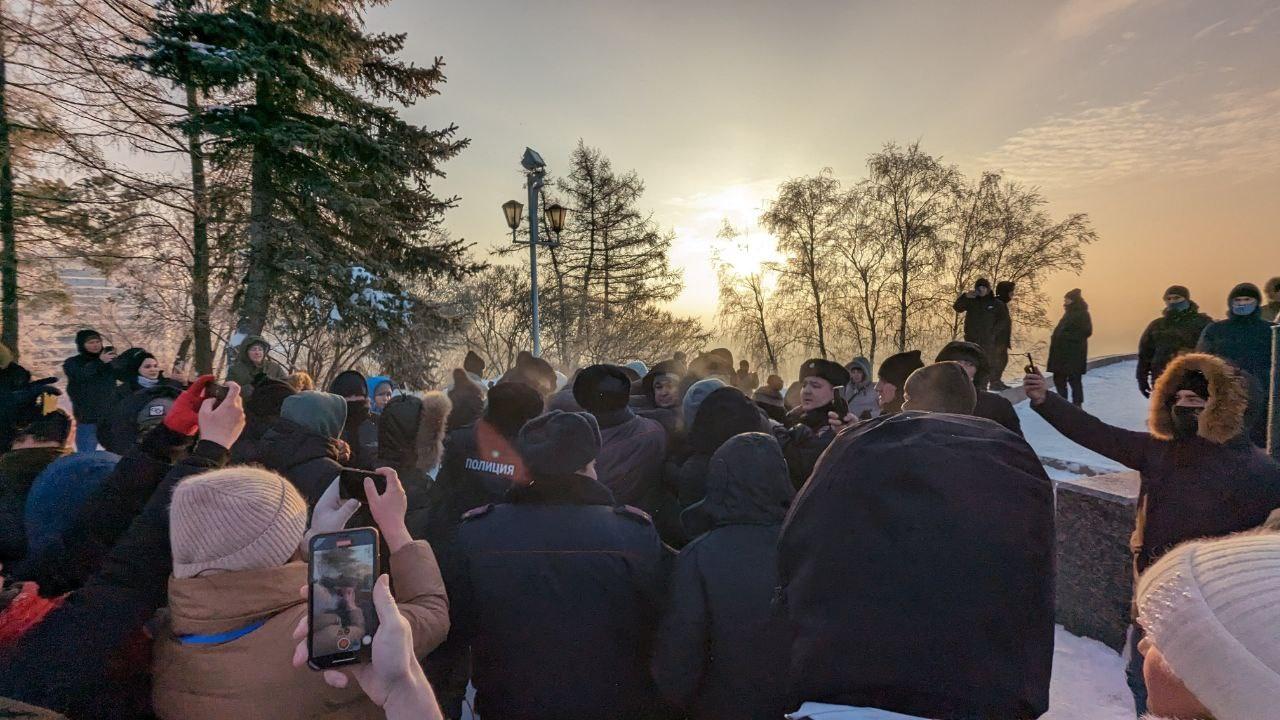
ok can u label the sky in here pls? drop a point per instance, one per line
(1158, 118)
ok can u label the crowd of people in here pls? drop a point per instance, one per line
(674, 541)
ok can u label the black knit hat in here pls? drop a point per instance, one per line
(897, 368)
(349, 383)
(602, 388)
(1004, 287)
(1178, 290)
(559, 443)
(473, 363)
(1245, 290)
(267, 397)
(982, 282)
(832, 372)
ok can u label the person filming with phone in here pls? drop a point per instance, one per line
(238, 536)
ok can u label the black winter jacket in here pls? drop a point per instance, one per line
(1244, 341)
(119, 430)
(996, 408)
(558, 592)
(982, 317)
(1213, 484)
(91, 385)
(720, 650)
(1069, 345)
(18, 472)
(306, 458)
(76, 660)
(13, 377)
(1173, 333)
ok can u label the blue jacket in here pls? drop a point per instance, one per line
(558, 593)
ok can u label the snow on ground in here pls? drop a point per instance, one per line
(1110, 393)
(1088, 681)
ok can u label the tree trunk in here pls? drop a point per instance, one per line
(902, 299)
(9, 252)
(260, 275)
(200, 329)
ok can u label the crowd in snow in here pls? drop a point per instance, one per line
(674, 541)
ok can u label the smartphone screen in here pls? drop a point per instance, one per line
(343, 568)
(351, 484)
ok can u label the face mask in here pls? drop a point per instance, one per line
(1186, 422)
(1245, 308)
(1179, 306)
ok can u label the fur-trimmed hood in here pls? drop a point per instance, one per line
(1223, 419)
(411, 431)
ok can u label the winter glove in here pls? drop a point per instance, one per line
(1144, 386)
(33, 390)
(183, 417)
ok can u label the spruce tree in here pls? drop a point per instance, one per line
(341, 210)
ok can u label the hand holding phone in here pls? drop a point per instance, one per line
(1031, 368)
(351, 484)
(341, 616)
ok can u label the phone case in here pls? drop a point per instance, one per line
(361, 622)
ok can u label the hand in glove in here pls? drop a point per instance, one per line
(33, 390)
(183, 417)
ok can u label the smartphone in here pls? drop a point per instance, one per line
(1031, 366)
(217, 391)
(341, 617)
(351, 484)
(48, 403)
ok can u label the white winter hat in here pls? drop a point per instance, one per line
(1212, 608)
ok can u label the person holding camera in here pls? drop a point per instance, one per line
(91, 385)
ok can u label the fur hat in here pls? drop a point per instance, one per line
(1245, 290)
(411, 430)
(559, 443)
(1177, 290)
(511, 405)
(237, 518)
(1273, 285)
(1223, 418)
(832, 372)
(1209, 607)
(602, 389)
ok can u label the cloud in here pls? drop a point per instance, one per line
(1077, 18)
(1207, 29)
(1236, 131)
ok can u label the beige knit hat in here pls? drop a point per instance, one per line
(238, 518)
(1212, 607)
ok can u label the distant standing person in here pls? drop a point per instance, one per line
(999, 359)
(744, 379)
(1244, 340)
(1271, 311)
(1175, 332)
(91, 384)
(983, 314)
(1069, 347)
(253, 360)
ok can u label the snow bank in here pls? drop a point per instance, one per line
(1088, 681)
(1110, 393)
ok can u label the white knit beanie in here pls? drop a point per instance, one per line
(238, 518)
(1212, 608)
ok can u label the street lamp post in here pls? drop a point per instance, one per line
(536, 169)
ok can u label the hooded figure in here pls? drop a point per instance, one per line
(61, 489)
(360, 431)
(234, 604)
(411, 441)
(694, 397)
(559, 560)
(989, 405)
(381, 390)
(860, 394)
(1176, 331)
(899, 591)
(725, 413)
(304, 445)
(720, 650)
(1243, 339)
(984, 316)
(143, 398)
(1271, 310)
(633, 449)
(473, 365)
(1069, 347)
(1003, 335)
(253, 358)
(91, 383)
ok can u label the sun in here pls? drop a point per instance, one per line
(741, 243)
